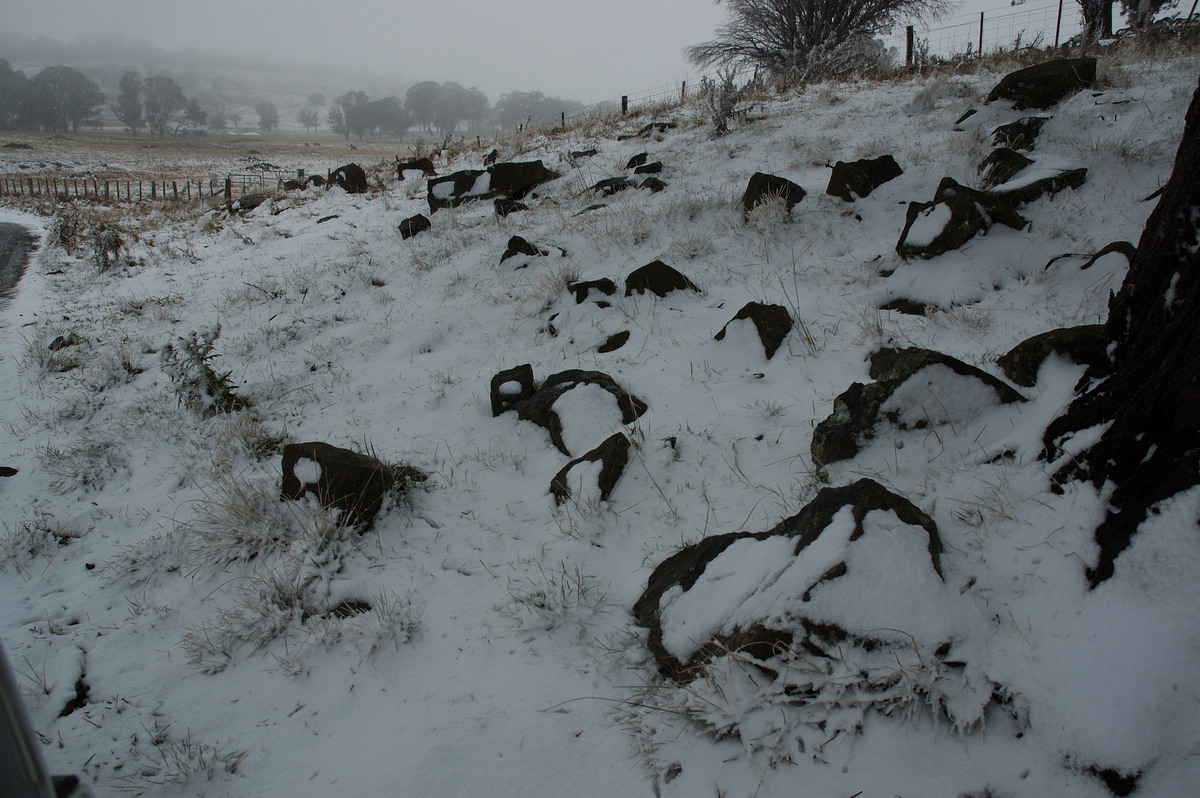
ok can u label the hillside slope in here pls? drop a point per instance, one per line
(183, 632)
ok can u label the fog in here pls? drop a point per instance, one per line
(588, 51)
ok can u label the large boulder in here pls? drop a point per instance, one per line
(658, 278)
(341, 479)
(768, 594)
(857, 179)
(955, 216)
(1037, 181)
(518, 246)
(1000, 166)
(912, 390)
(1043, 85)
(1021, 134)
(1086, 345)
(351, 178)
(414, 225)
(422, 165)
(510, 387)
(511, 181)
(771, 322)
(764, 188)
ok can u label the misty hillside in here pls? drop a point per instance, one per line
(639, 529)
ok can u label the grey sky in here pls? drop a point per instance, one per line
(588, 50)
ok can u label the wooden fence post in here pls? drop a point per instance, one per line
(981, 33)
(683, 91)
(1058, 22)
(228, 189)
(624, 104)
(175, 189)
(910, 40)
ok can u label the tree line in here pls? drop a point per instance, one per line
(62, 99)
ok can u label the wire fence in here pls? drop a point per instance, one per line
(112, 190)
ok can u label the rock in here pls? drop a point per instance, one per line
(248, 202)
(681, 650)
(510, 181)
(908, 307)
(614, 342)
(1086, 345)
(452, 190)
(491, 157)
(771, 321)
(422, 165)
(582, 154)
(414, 224)
(1019, 135)
(510, 387)
(611, 185)
(582, 288)
(649, 169)
(340, 479)
(763, 187)
(955, 216)
(351, 178)
(612, 455)
(1043, 85)
(654, 184)
(61, 342)
(1035, 182)
(1001, 165)
(506, 206)
(519, 246)
(857, 179)
(637, 160)
(6, 471)
(539, 408)
(860, 408)
(658, 278)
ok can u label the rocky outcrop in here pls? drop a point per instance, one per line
(857, 179)
(861, 408)
(351, 178)
(1019, 135)
(1043, 85)
(612, 455)
(539, 407)
(955, 216)
(422, 165)
(763, 188)
(353, 483)
(414, 225)
(511, 181)
(1086, 345)
(690, 616)
(658, 278)
(772, 323)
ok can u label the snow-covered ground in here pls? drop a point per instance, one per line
(180, 632)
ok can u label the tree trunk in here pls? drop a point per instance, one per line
(1149, 394)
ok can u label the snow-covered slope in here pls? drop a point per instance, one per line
(147, 567)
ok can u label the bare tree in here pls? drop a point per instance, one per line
(781, 37)
(163, 99)
(1141, 13)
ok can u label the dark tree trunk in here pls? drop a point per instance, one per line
(1149, 393)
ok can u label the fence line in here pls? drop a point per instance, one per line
(115, 190)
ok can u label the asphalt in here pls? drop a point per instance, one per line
(16, 245)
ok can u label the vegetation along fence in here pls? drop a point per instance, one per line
(117, 190)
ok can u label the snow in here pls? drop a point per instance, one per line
(143, 547)
(928, 225)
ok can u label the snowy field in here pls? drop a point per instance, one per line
(179, 631)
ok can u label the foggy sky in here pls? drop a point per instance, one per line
(586, 50)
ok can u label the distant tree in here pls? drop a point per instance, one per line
(308, 117)
(1140, 13)
(163, 100)
(521, 107)
(782, 37)
(192, 116)
(349, 114)
(451, 108)
(422, 101)
(387, 116)
(128, 107)
(268, 115)
(316, 99)
(61, 98)
(12, 91)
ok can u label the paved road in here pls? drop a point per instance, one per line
(16, 245)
